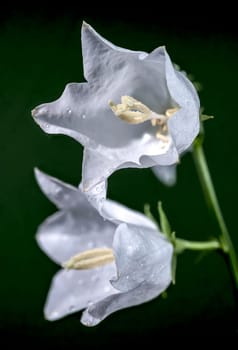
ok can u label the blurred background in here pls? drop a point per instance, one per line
(40, 52)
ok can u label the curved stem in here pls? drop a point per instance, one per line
(182, 244)
(210, 194)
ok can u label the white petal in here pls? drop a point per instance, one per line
(73, 290)
(98, 53)
(143, 259)
(100, 163)
(61, 194)
(119, 213)
(69, 232)
(83, 109)
(96, 195)
(66, 115)
(170, 157)
(141, 255)
(166, 174)
(185, 124)
(97, 312)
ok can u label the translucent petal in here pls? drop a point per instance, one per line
(100, 163)
(72, 290)
(97, 312)
(142, 254)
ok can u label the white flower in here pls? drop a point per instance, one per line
(138, 256)
(135, 110)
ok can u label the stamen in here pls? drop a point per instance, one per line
(169, 112)
(131, 110)
(162, 137)
(90, 259)
(135, 112)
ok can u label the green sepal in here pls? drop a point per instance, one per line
(173, 268)
(164, 222)
(148, 213)
(204, 117)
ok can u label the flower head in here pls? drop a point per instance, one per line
(136, 109)
(111, 262)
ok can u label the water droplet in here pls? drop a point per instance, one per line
(94, 278)
(47, 126)
(127, 277)
(98, 188)
(90, 245)
(69, 111)
(83, 116)
(71, 308)
(106, 289)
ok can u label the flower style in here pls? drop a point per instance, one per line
(118, 260)
(135, 110)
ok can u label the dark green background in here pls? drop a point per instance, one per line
(39, 55)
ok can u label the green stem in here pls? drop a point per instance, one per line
(182, 244)
(210, 194)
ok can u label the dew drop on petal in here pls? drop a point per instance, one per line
(69, 111)
(90, 245)
(106, 289)
(94, 279)
(83, 116)
(71, 308)
(98, 188)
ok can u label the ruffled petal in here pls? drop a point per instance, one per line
(100, 163)
(72, 290)
(97, 312)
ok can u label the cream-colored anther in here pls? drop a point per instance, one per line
(131, 110)
(90, 259)
(135, 112)
(162, 137)
(171, 111)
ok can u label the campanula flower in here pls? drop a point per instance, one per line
(110, 262)
(135, 110)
